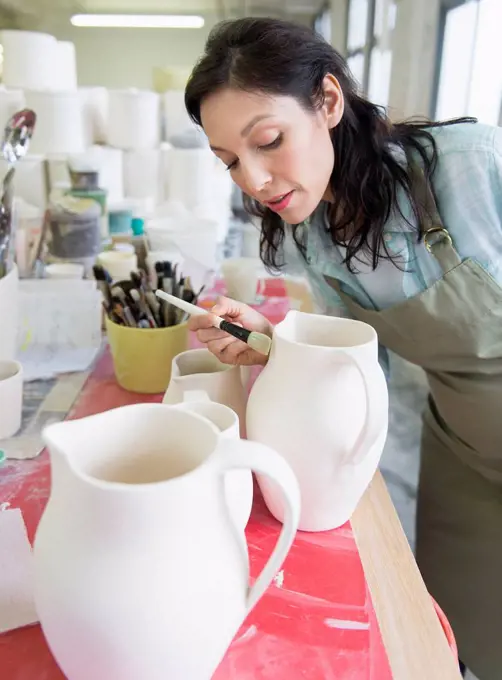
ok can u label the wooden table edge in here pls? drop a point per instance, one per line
(412, 634)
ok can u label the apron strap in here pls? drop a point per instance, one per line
(439, 243)
(335, 284)
(437, 239)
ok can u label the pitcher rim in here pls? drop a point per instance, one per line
(201, 350)
(327, 319)
(124, 486)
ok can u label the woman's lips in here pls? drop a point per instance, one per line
(281, 203)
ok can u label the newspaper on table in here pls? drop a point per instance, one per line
(59, 326)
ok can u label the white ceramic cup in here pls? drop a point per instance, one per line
(118, 264)
(11, 397)
(242, 280)
(65, 270)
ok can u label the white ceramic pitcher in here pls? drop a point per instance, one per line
(198, 369)
(238, 483)
(322, 402)
(139, 570)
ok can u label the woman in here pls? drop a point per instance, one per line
(400, 226)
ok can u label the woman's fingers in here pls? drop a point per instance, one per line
(200, 321)
(229, 308)
(210, 334)
(221, 345)
(224, 346)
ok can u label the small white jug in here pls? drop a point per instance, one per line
(198, 369)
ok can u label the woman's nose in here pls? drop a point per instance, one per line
(256, 177)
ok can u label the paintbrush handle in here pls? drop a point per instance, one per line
(187, 307)
(193, 310)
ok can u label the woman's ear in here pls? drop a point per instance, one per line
(333, 100)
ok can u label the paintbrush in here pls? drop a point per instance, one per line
(143, 307)
(155, 307)
(257, 341)
(103, 280)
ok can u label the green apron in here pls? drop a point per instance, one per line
(453, 331)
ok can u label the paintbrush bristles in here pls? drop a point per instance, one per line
(260, 343)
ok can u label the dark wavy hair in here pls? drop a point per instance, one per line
(277, 57)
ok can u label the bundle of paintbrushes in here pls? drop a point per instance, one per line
(133, 302)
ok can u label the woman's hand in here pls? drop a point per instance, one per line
(225, 347)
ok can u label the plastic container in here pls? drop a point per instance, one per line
(142, 357)
(138, 226)
(100, 196)
(120, 222)
(75, 228)
(97, 195)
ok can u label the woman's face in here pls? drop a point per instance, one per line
(277, 152)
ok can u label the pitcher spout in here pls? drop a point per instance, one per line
(62, 441)
(123, 448)
(79, 447)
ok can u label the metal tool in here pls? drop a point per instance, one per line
(17, 135)
(15, 144)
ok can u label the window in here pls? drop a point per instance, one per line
(358, 25)
(369, 52)
(322, 23)
(470, 76)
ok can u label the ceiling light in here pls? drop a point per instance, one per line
(137, 21)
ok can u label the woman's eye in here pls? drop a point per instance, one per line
(265, 147)
(272, 145)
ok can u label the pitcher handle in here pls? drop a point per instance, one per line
(373, 379)
(242, 454)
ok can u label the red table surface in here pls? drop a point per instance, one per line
(316, 621)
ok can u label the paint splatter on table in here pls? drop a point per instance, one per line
(316, 621)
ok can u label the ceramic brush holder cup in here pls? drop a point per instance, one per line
(142, 357)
